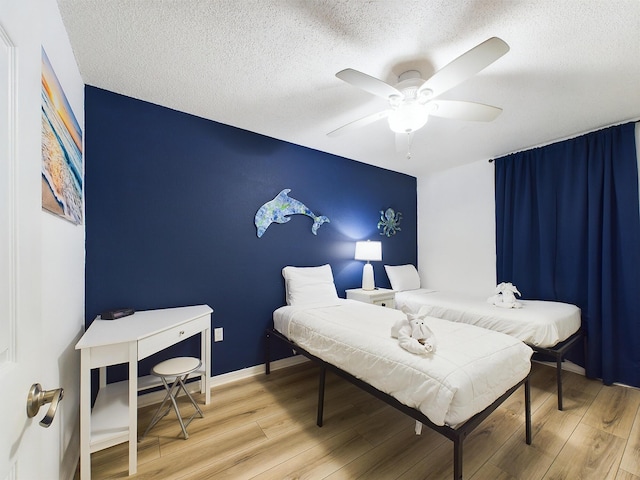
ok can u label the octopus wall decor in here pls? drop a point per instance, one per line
(389, 222)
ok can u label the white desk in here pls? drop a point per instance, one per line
(114, 418)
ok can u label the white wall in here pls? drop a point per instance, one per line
(63, 268)
(456, 229)
(60, 289)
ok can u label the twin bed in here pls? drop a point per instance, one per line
(452, 390)
(551, 328)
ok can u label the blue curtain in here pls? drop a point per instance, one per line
(568, 229)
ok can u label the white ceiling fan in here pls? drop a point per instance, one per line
(414, 99)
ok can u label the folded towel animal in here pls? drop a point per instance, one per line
(413, 334)
(505, 296)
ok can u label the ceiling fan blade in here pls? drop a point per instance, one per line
(465, 66)
(368, 83)
(459, 110)
(359, 123)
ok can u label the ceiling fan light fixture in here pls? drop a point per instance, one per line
(408, 118)
(412, 100)
(395, 101)
(423, 96)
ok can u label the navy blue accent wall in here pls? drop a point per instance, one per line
(170, 206)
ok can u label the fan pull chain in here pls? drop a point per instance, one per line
(409, 141)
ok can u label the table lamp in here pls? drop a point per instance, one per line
(369, 251)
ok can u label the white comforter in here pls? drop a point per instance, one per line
(538, 323)
(471, 368)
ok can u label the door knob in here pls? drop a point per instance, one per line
(39, 397)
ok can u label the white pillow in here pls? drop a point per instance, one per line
(403, 277)
(305, 285)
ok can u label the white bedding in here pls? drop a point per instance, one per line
(538, 323)
(471, 368)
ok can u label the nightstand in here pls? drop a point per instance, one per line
(382, 297)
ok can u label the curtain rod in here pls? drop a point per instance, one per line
(562, 139)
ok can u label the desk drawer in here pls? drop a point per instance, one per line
(161, 340)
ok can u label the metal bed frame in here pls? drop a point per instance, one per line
(558, 351)
(457, 435)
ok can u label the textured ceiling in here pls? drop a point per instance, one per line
(269, 67)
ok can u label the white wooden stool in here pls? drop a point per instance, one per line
(175, 370)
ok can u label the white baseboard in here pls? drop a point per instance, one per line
(567, 365)
(194, 387)
(257, 370)
(572, 367)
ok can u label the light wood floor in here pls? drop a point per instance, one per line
(264, 428)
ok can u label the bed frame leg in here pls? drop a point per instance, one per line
(527, 410)
(457, 458)
(559, 379)
(323, 373)
(267, 354)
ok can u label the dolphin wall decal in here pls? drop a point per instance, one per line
(278, 209)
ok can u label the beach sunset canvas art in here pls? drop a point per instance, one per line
(61, 150)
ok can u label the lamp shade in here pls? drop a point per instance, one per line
(369, 251)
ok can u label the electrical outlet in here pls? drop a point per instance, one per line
(217, 334)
